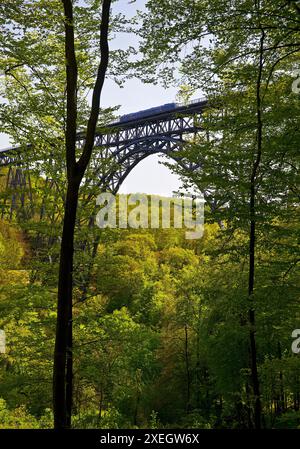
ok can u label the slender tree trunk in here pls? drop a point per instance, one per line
(69, 368)
(198, 380)
(64, 311)
(138, 396)
(136, 409)
(86, 281)
(252, 242)
(63, 357)
(281, 383)
(187, 367)
(100, 405)
(253, 350)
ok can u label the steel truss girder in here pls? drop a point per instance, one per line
(122, 135)
(122, 146)
(125, 159)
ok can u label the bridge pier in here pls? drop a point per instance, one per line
(16, 196)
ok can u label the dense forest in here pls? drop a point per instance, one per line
(143, 328)
(161, 337)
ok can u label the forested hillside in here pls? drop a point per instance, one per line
(161, 338)
(133, 327)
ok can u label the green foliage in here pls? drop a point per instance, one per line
(161, 328)
(155, 314)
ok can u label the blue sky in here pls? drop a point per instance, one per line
(149, 176)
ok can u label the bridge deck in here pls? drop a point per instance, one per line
(133, 128)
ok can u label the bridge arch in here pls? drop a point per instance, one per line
(128, 158)
(122, 145)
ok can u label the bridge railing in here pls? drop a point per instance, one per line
(119, 121)
(156, 110)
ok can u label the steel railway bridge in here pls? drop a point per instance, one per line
(125, 142)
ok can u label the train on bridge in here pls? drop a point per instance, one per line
(164, 108)
(168, 107)
(162, 112)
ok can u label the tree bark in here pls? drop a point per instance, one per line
(252, 239)
(64, 311)
(187, 368)
(63, 357)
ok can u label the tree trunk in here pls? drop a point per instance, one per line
(63, 358)
(69, 369)
(198, 374)
(187, 367)
(251, 313)
(253, 350)
(63, 341)
(100, 405)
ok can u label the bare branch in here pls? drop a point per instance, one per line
(71, 72)
(92, 123)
